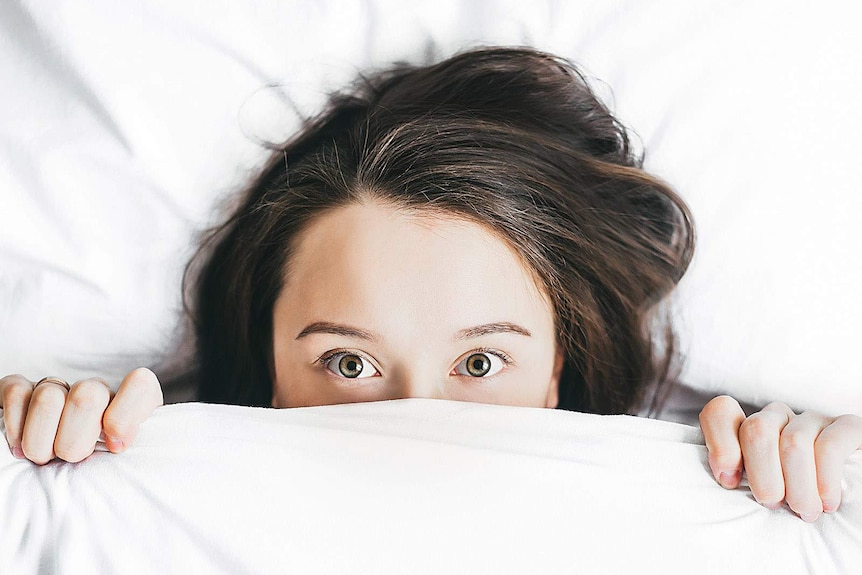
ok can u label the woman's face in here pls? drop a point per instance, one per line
(381, 304)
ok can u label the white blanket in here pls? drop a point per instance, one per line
(408, 486)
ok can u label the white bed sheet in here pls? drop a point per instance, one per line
(407, 486)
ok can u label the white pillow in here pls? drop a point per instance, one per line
(128, 126)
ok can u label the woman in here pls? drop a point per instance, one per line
(477, 230)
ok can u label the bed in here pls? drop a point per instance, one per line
(124, 132)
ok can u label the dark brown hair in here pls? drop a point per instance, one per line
(510, 138)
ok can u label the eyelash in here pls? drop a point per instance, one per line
(506, 359)
(324, 359)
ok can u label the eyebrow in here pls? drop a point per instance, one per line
(489, 328)
(337, 329)
(463, 334)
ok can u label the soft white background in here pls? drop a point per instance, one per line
(123, 125)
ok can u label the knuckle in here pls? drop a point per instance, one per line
(143, 381)
(135, 382)
(851, 420)
(16, 393)
(725, 401)
(88, 395)
(141, 371)
(794, 442)
(84, 402)
(92, 385)
(756, 429)
(13, 379)
(718, 405)
(53, 393)
(47, 400)
(826, 448)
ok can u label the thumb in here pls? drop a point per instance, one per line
(139, 394)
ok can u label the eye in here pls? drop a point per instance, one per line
(349, 365)
(481, 364)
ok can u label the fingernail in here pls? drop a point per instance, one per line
(829, 506)
(729, 479)
(18, 452)
(117, 442)
(810, 518)
(773, 506)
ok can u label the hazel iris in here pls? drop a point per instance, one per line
(478, 364)
(350, 366)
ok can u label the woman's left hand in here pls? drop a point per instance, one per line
(786, 457)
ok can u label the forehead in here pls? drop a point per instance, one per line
(376, 264)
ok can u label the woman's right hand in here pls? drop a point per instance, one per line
(47, 421)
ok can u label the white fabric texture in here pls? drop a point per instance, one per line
(124, 126)
(407, 486)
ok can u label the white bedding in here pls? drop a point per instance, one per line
(407, 486)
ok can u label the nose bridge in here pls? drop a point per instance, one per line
(413, 381)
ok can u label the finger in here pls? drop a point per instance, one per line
(779, 408)
(138, 396)
(831, 449)
(15, 391)
(40, 427)
(758, 436)
(720, 420)
(81, 420)
(796, 450)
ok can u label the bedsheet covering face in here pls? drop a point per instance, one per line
(415, 485)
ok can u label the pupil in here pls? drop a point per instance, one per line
(478, 365)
